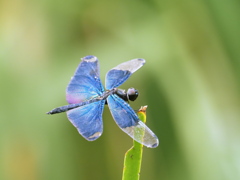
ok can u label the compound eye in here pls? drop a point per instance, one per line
(132, 94)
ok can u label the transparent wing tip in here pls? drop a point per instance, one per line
(89, 58)
(132, 65)
(94, 136)
(143, 61)
(154, 145)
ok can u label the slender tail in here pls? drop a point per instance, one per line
(72, 106)
(63, 108)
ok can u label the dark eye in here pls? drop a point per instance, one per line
(132, 94)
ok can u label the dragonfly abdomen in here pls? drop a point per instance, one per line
(73, 106)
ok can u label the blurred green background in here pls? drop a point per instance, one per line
(190, 84)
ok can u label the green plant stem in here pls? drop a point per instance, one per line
(133, 157)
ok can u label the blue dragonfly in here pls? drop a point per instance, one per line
(87, 97)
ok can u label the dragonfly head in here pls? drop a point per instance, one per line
(132, 94)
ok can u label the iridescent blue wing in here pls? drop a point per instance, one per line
(85, 84)
(128, 121)
(88, 119)
(118, 75)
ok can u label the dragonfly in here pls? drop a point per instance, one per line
(86, 97)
